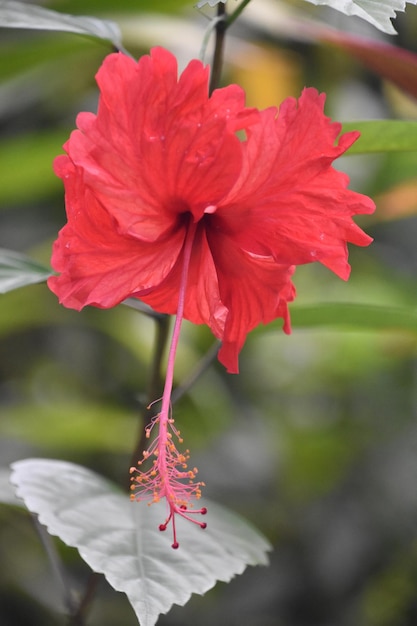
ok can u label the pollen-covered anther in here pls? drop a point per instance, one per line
(168, 476)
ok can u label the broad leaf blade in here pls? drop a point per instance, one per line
(376, 12)
(211, 3)
(354, 316)
(14, 14)
(18, 270)
(7, 492)
(383, 136)
(121, 538)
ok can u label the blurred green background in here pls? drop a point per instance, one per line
(315, 441)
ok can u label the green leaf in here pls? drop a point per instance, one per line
(14, 14)
(120, 538)
(355, 316)
(7, 492)
(18, 270)
(211, 3)
(376, 12)
(383, 136)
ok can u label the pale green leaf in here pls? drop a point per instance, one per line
(383, 136)
(355, 316)
(18, 270)
(376, 12)
(14, 14)
(120, 538)
(7, 491)
(211, 3)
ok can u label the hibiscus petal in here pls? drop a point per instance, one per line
(159, 155)
(202, 301)
(289, 202)
(98, 264)
(254, 290)
(158, 146)
(228, 289)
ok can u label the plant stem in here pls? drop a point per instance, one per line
(198, 371)
(223, 22)
(77, 618)
(75, 609)
(57, 568)
(155, 381)
(217, 64)
(154, 385)
(169, 376)
(233, 16)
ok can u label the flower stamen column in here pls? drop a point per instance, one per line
(169, 476)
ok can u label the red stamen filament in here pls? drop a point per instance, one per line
(169, 469)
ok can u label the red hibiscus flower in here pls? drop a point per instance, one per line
(162, 163)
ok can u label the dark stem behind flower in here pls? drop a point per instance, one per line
(217, 64)
(224, 21)
(155, 385)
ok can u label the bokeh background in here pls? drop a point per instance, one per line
(316, 440)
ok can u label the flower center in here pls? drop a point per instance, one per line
(210, 209)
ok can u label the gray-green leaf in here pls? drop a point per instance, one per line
(211, 3)
(377, 12)
(7, 491)
(14, 14)
(120, 538)
(18, 270)
(383, 136)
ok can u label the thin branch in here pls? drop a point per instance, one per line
(78, 617)
(233, 16)
(206, 38)
(67, 594)
(75, 609)
(155, 383)
(217, 64)
(140, 306)
(198, 371)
